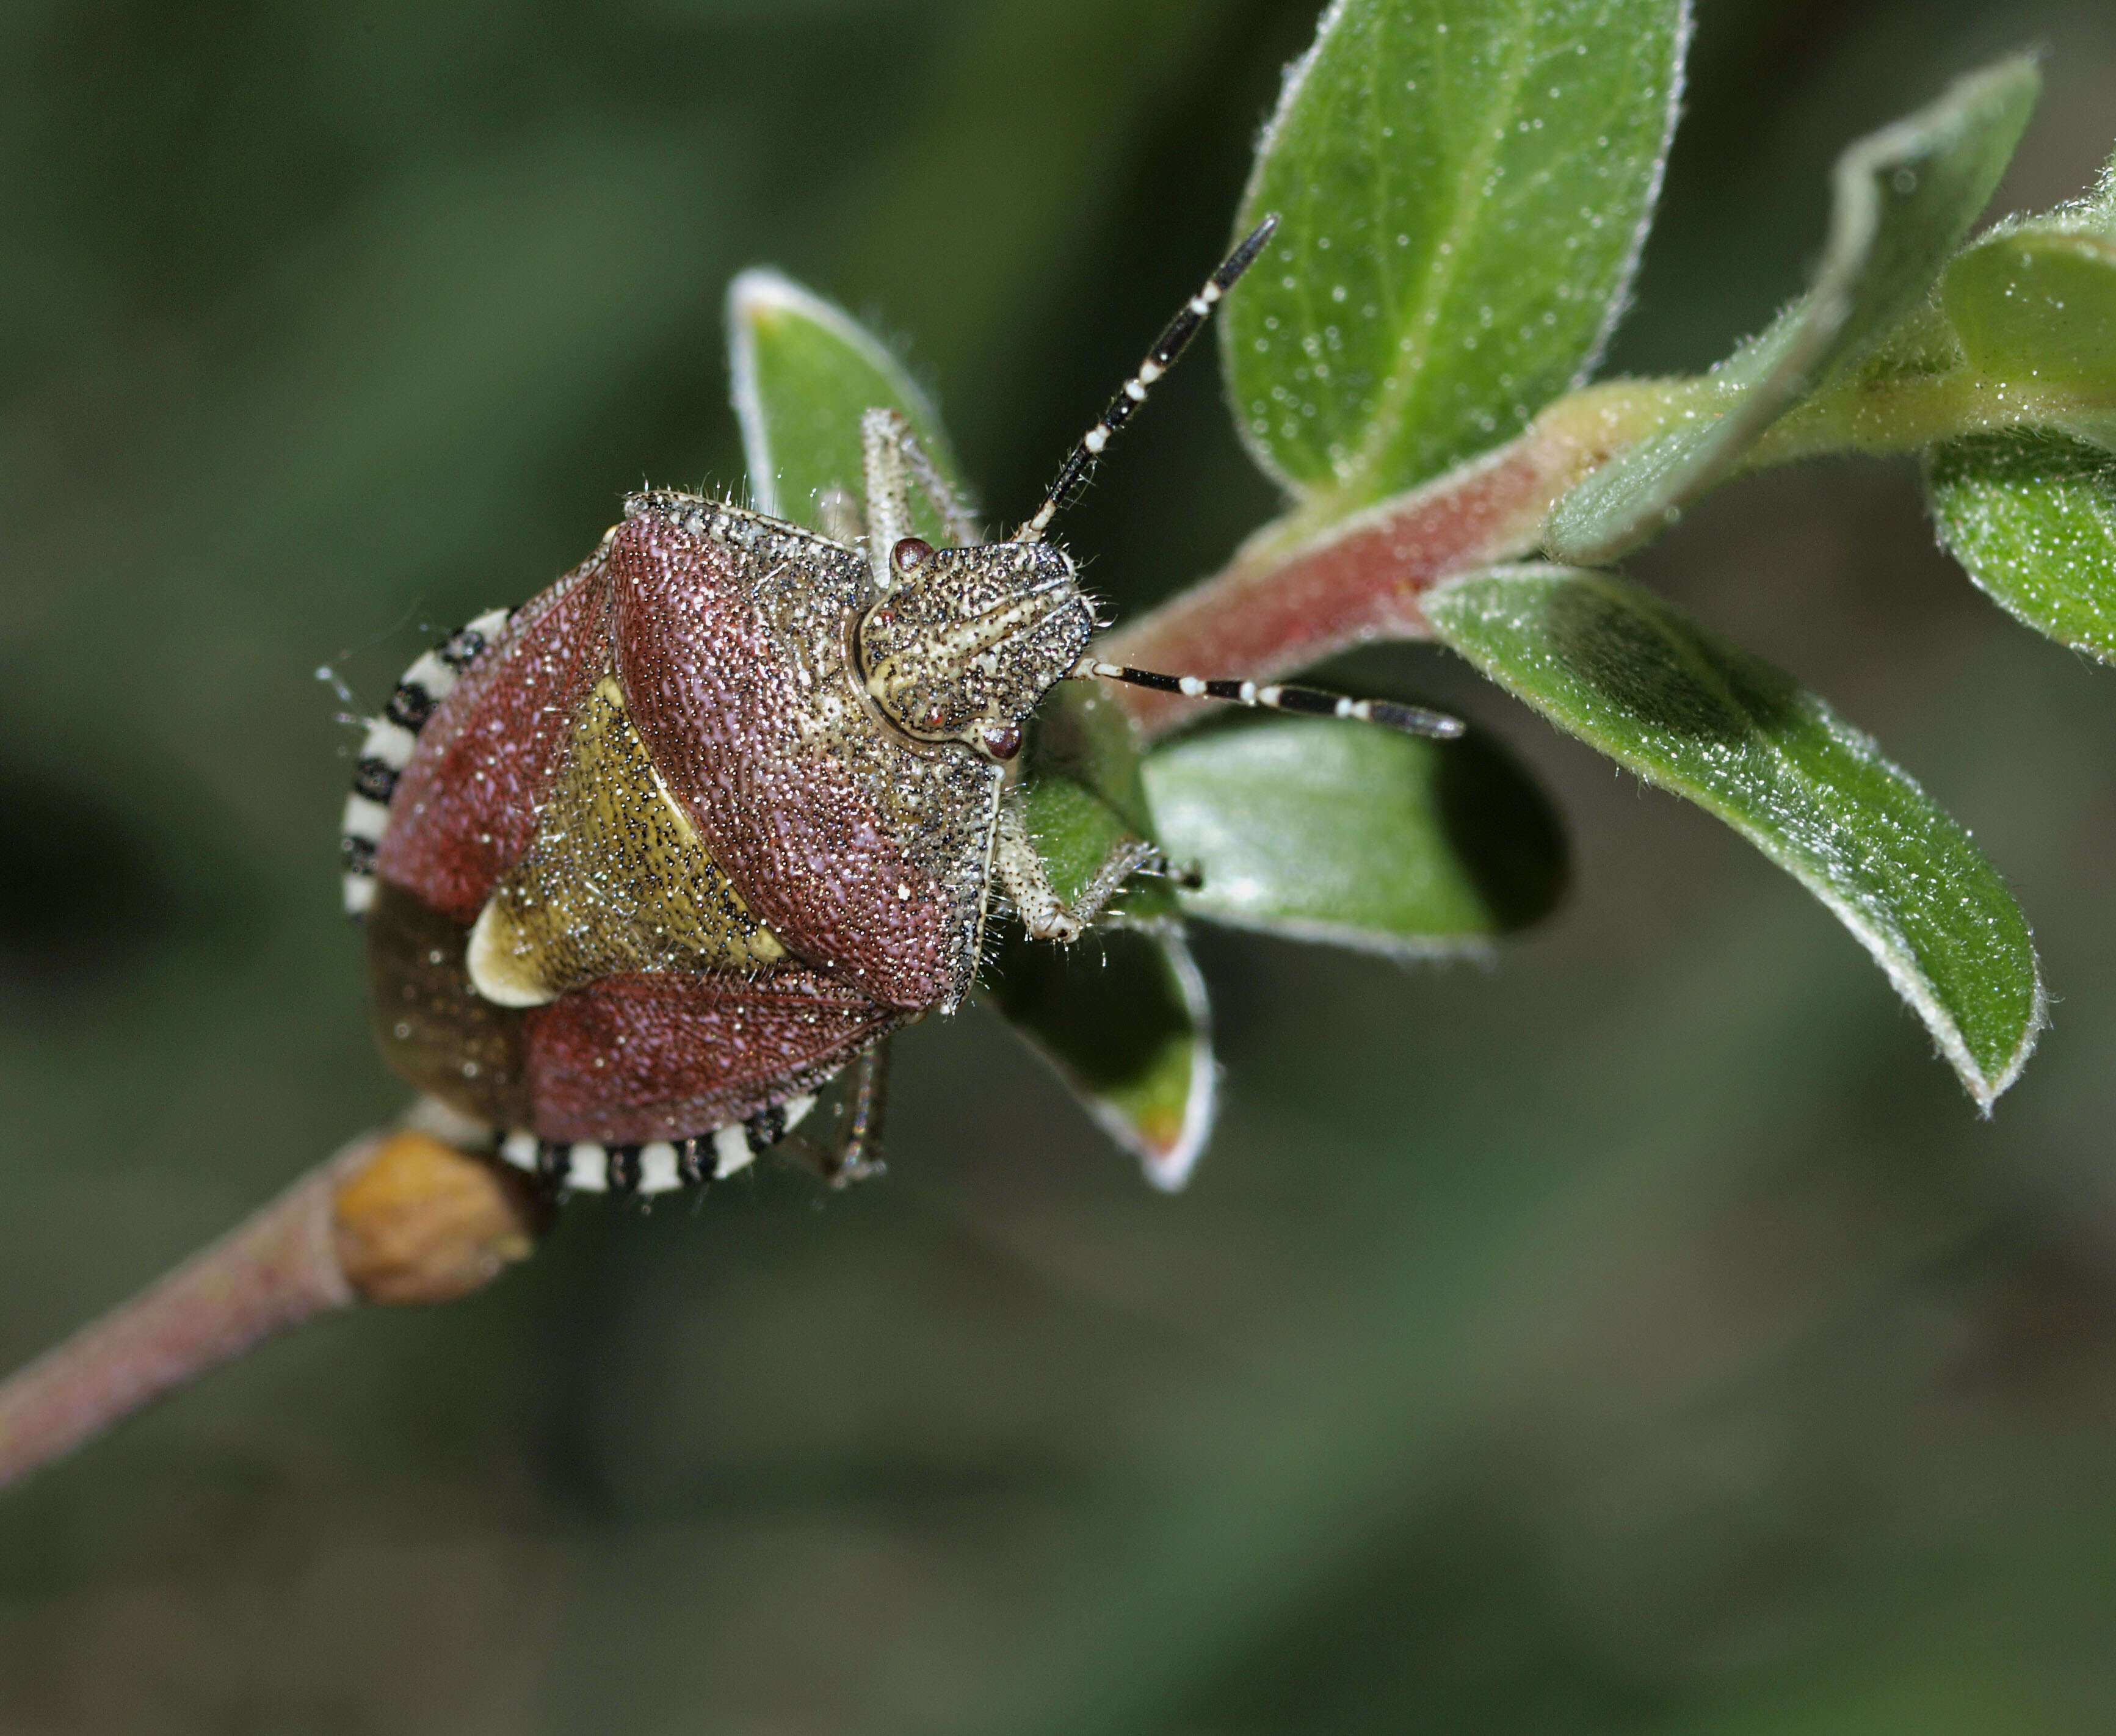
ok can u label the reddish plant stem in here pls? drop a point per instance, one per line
(276, 1270)
(399, 1216)
(1285, 604)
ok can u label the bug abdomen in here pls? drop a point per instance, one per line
(630, 1058)
(658, 1054)
(432, 1026)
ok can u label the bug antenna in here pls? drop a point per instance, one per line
(1080, 462)
(1272, 696)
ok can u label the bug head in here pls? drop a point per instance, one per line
(966, 641)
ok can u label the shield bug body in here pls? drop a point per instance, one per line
(645, 862)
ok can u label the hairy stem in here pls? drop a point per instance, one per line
(1313, 584)
(1876, 413)
(1292, 598)
(274, 1271)
(1909, 413)
(395, 1217)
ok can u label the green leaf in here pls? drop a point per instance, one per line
(1463, 188)
(2037, 305)
(1082, 737)
(1683, 710)
(2032, 518)
(1081, 794)
(1904, 197)
(2032, 514)
(804, 373)
(1122, 1018)
(1343, 832)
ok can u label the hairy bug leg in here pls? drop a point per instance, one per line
(858, 1152)
(854, 1152)
(895, 462)
(888, 492)
(841, 517)
(1022, 875)
(956, 512)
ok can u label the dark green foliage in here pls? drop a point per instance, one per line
(1356, 836)
(2032, 518)
(1679, 706)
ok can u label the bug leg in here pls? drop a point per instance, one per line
(840, 515)
(894, 463)
(855, 1153)
(858, 1152)
(963, 530)
(888, 490)
(1027, 882)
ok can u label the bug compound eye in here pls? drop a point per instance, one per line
(1000, 741)
(911, 552)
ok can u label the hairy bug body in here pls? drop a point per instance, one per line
(646, 862)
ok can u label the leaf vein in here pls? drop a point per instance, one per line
(1450, 253)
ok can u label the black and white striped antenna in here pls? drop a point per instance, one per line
(1073, 474)
(1413, 720)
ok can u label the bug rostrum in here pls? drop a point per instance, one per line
(647, 862)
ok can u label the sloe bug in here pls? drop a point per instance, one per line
(645, 862)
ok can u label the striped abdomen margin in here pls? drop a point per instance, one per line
(388, 749)
(660, 1167)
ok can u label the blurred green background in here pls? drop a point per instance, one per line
(1641, 1335)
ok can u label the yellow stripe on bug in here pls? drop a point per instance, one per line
(616, 879)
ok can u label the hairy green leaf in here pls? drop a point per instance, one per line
(804, 373)
(1463, 187)
(1122, 1018)
(2032, 518)
(1357, 836)
(1082, 797)
(2039, 304)
(1683, 710)
(1904, 197)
